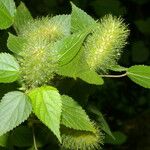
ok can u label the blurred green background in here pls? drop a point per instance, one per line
(124, 104)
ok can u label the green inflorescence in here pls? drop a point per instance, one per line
(82, 140)
(38, 59)
(103, 47)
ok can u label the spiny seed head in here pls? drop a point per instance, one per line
(82, 140)
(47, 28)
(103, 47)
(38, 63)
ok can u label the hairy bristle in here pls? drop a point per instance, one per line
(38, 63)
(82, 140)
(103, 47)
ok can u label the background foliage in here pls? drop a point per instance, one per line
(124, 104)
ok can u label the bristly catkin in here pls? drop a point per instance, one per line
(38, 60)
(103, 47)
(82, 140)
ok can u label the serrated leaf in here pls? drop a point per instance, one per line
(15, 43)
(140, 74)
(103, 124)
(9, 68)
(69, 47)
(7, 11)
(80, 20)
(14, 109)
(22, 16)
(73, 116)
(47, 104)
(3, 140)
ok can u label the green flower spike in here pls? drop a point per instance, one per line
(103, 47)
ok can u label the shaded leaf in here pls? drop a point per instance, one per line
(3, 139)
(103, 123)
(119, 138)
(22, 136)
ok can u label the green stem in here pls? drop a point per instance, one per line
(34, 140)
(114, 76)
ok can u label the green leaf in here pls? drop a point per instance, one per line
(3, 140)
(119, 138)
(140, 74)
(15, 43)
(22, 16)
(46, 103)
(91, 77)
(103, 124)
(9, 68)
(73, 116)
(79, 68)
(14, 109)
(69, 47)
(118, 68)
(7, 11)
(80, 20)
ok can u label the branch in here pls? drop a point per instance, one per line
(114, 76)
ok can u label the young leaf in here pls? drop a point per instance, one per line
(22, 16)
(15, 43)
(80, 20)
(14, 109)
(73, 116)
(69, 47)
(46, 103)
(9, 68)
(7, 11)
(140, 74)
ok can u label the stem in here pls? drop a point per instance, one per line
(34, 140)
(114, 76)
